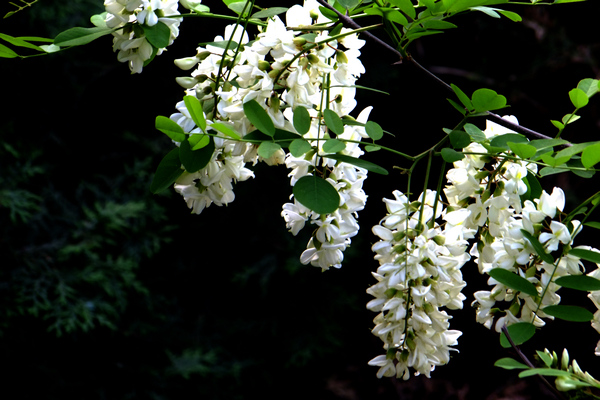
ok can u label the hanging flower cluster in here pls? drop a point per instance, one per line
(514, 235)
(137, 18)
(419, 274)
(282, 70)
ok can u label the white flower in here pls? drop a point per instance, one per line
(560, 233)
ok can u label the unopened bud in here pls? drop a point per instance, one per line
(314, 15)
(186, 63)
(203, 55)
(313, 58)
(263, 65)
(275, 102)
(565, 360)
(186, 82)
(341, 57)
(439, 240)
(299, 42)
(201, 78)
(273, 73)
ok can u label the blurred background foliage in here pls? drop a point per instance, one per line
(109, 292)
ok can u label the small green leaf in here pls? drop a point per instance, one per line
(513, 16)
(586, 255)
(316, 194)
(170, 128)
(396, 16)
(269, 12)
(158, 35)
(19, 42)
(544, 372)
(167, 172)
(99, 20)
(198, 141)
(195, 109)
(195, 160)
(259, 117)
(534, 188)
(589, 86)
(487, 100)
(333, 121)
(579, 282)
(476, 134)
(298, 147)
(545, 357)
(369, 166)
(301, 120)
(460, 108)
(348, 4)
(225, 129)
(459, 139)
(578, 98)
(570, 118)
(79, 36)
(487, 10)
(513, 281)
(450, 155)
(559, 125)
(591, 155)
(333, 146)
(464, 99)
(522, 150)
(569, 313)
(6, 52)
(267, 149)
(374, 130)
(537, 246)
(501, 141)
(593, 224)
(519, 333)
(509, 363)
(406, 6)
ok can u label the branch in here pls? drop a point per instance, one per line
(349, 22)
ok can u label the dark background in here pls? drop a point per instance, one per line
(110, 292)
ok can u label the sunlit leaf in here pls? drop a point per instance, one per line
(537, 246)
(578, 98)
(459, 139)
(589, 86)
(158, 35)
(374, 130)
(79, 36)
(591, 155)
(195, 109)
(333, 146)
(522, 150)
(501, 141)
(509, 363)
(301, 120)
(267, 149)
(333, 121)
(224, 129)
(194, 160)
(464, 99)
(476, 134)
(298, 147)
(586, 255)
(406, 6)
(170, 128)
(544, 372)
(487, 100)
(269, 12)
(450, 155)
(359, 162)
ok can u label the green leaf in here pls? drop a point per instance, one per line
(19, 42)
(464, 99)
(170, 128)
(519, 333)
(459, 139)
(569, 313)
(579, 282)
(450, 155)
(487, 100)
(570, 118)
(578, 98)
(80, 36)
(301, 120)
(438, 24)
(586, 255)
(574, 149)
(6, 52)
(225, 129)
(534, 189)
(333, 146)
(195, 109)
(537, 246)
(547, 171)
(99, 20)
(158, 35)
(333, 121)
(369, 166)
(590, 155)
(349, 4)
(460, 108)
(544, 372)
(169, 169)
(513, 16)
(501, 141)
(545, 357)
(195, 160)
(238, 7)
(406, 6)
(522, 150)
(396, 16)
(198, 141)
(509, 363)
(487, 10)
(513, 281)
(374, 130)
(316, 194)
(299, 147)
(559, 125)
(476, 134)
(259, 117)
(267, 149)
(589, 86)
(327, 13)
(269, 12)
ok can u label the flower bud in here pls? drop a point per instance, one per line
(565, 360)
(203, 55)
(341, 57)
(186, 63)
(186, 82)
(273, 73)
(263, 65)
(299, 42)
(313, 58)
(314, 15)
(439, 240)
(275, 102)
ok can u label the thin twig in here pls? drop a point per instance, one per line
(530, 364)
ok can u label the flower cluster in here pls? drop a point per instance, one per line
(419, 274)
(134, 17)
(282, 69)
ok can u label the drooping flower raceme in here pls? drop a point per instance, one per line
(135, 18)
(419, 275)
